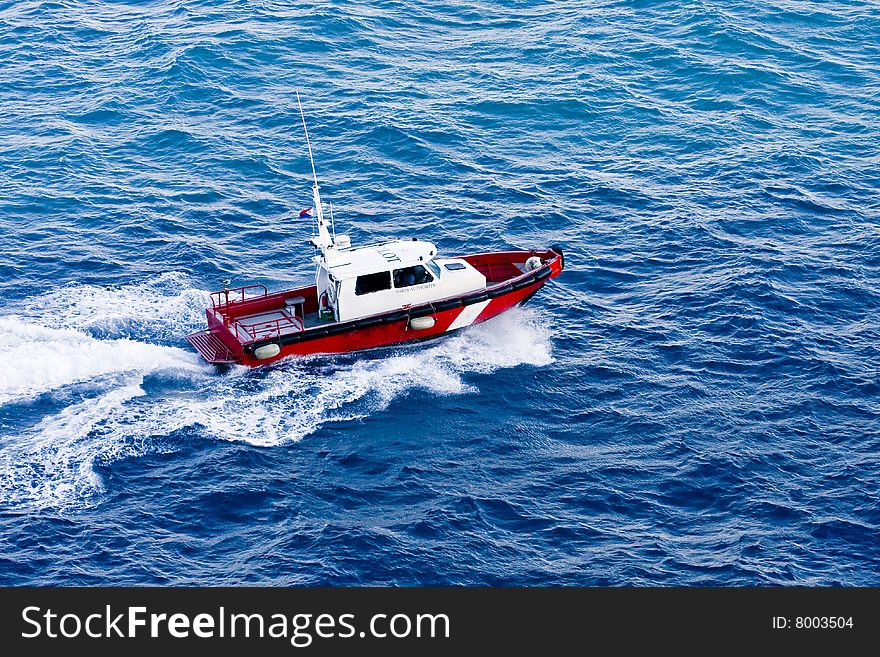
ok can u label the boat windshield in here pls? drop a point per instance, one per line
(434, 268)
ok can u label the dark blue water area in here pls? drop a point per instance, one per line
(694, 401)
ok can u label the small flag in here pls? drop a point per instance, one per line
(305, 213)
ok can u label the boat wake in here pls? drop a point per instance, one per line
(35, 359)
(92, 361)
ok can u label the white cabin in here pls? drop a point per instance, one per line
(357, 282)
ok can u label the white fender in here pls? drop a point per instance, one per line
(267, 351)
(422, 323)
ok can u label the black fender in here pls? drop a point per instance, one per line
(474, 298)
(558, 249)
(541, 274)
(421, 311)
(500, 291)
(449, 304)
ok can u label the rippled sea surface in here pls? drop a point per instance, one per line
(695, 401)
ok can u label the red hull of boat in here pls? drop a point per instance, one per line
(507, 286)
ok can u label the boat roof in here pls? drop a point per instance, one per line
(348, 263)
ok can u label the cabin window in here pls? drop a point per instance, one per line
(372, 283)
(434, 268)
(452, 266)
(408, 276)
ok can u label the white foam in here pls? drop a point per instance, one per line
(52, 465)
(292, 400)
(161, 308)
(79, 340)
(35, 359)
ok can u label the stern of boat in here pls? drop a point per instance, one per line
(212, 348)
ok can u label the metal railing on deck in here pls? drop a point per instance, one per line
(237, 294)
(270, 328)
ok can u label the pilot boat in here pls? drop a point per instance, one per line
(368, 296)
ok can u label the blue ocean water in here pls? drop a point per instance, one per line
(695, 401)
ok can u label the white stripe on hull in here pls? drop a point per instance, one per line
(467, 316)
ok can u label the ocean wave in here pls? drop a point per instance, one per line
(693, 401)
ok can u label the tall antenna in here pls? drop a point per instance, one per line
(308, 143)
(332, 222)
(323, 241)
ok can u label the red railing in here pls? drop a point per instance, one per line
(270, 328)
(237, 294)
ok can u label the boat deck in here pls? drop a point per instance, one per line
(312, 319)
(280, 321)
